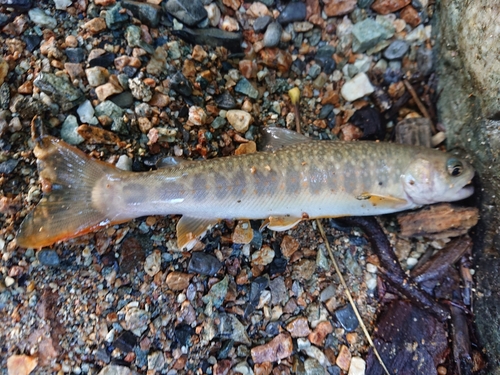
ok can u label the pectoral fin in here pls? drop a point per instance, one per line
(189, 229)
(378, 200)
(281, 223)
(275, 138)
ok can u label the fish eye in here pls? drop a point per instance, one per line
(455, 167)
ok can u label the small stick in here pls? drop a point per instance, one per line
(349, 297)
(419, 103)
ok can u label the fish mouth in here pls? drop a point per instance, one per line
(465, 191)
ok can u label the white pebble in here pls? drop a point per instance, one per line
(9, 281)
(411, 262)
(124, 163)
(371, 268)
(371, 283)
(240, 120)
(357, 87)
(85, 112)
(357, 367)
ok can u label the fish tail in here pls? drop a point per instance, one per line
(67, 210)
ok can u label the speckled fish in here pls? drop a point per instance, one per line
(294, 179)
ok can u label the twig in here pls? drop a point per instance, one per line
(419, 103)
(349, 297)
(294, 98)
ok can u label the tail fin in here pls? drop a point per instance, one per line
(66, 210)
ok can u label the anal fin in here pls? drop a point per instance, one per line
(189, 229)
(281, 223)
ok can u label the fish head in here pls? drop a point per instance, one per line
(435, 176)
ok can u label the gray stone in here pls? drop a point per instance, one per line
(148, 14)
(396, 50)
(48, 257)
(279, 291)
(246, 88)
(225, 100)
(294, 11)
(75, 55)
(108, 108)
(272, 35)
(60, 90)
(40, 18)
(261, 23)
(69, 132)
(124, 99)
(314, 71)
(216, 295)
(4, 95)
(231, 328)
(204, 264)
(19, 5)
(8, 166)
(365, 3)
(469, 106)
(218, 122)
(313, 367)
(189, 12)
(180, 84)
(367, 34)
(116, 370)
(115, 19)
(211, 37)
(325, 111)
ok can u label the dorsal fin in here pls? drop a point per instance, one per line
(275, 138)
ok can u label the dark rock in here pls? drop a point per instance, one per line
(130, 71)
(396, 50)
(102, 355)
(261, 23)
(246, 88)
(132, 255)
(189, 12)
(180, 84)
(104, 60)
(183, 333)
(115, 19)
(60, 90)
(347, 318)
(148, 14)
(75, 55)
(8, 166)
(32, 41)
(299, 67)
(123, 100)
(257, 239)
(4, 19)
(225, 349)
(325, 111)
(334, 370)
(126, 341)
(204, 264)
(324, 58)
(211, 37)
(18, 5)
(368, 119)
(273, 328)
(48, 257)
(4, 96)
(225, 101)
(294, 11)
(392, 76)
(363, 4)
(28, 107)
(272, 36)
(258, 285)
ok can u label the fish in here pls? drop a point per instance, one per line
(294, 178)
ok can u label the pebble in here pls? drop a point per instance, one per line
(225, 101)
(21, 364)
(48, 258)
(261, 23)
(344, 358)
(318, 336)
(213, 14)
(289, 245)
(294, 11)
(263, 257)
(367, 34)
(216, 295)
(396, 50)
(278, 348)
(40, 18)
(86, 112)
(239, 120)
(69, 132)
(136, 320)
(246, 88)
(335, 8)
(189, 12)
(347, 318)
(357, 87)
(410, 15)
(298, 327)
(204, 264)
(124, 163)
(178, 280)
(149, 14)
(197, 116)
(313, 367)
(8, 166)
(152, 265)
(389, 6)
(60, 90)
(115, 18)
(357, 367)
(116, 370)
(279, 291)
(272, 36)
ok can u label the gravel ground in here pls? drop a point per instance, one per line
(130, 83)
